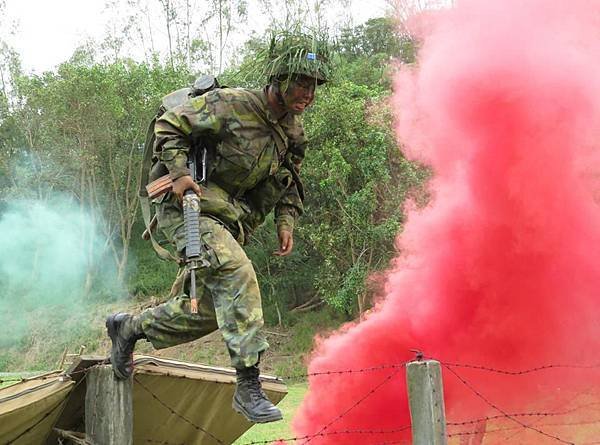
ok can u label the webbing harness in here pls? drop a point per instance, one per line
(278, 136)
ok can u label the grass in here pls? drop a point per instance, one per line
(9, 378)
(47, 338)
(290, 345)
(4, 384)
(268, 431)
(288, 354)
(278, 430)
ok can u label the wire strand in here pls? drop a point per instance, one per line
(175, 413)
(507, 415)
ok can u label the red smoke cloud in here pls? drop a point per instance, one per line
(502, 269)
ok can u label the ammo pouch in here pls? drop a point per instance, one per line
(263, 198)
(216, 202)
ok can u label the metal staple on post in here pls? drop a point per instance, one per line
(426, 399)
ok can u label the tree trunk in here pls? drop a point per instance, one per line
(220, 35)
(167, 7)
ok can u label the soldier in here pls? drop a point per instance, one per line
(257, 143)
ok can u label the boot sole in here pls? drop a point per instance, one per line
(111, 330)
(255, 419)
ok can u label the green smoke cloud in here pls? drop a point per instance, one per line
(53, 270)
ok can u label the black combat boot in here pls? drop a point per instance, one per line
(250, 400)
(123, 331)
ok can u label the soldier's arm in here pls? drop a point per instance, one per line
(287, 211)
(175, 129)
(290, 207)
(286, 217)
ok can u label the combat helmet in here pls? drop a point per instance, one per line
(291, 54)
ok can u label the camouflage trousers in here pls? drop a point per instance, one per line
(228, 300)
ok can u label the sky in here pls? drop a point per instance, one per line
(45, 33)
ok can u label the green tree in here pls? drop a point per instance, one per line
(355, 177)
(84, 128)
(369, 51)
(357, 182)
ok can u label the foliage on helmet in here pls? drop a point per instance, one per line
(294, 53)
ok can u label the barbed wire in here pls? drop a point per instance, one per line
(394, 442)
(330, 433)
(511, 416)
(520, 372)
(358, 402)
(474, 433)
(507, 415)
(539, 420)
(529, 414)
(323, 433)
(514, 417)
(280, 378)
(180, 416)
(519, 427)
(346, 371)
(451, 364)
(349, 371)
(307, 438)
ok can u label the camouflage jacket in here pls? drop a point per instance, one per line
(250, 173)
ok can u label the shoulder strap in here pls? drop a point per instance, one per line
(279, 137)
(202, 85)
(143, 193)
(278, 133)
(147, 160)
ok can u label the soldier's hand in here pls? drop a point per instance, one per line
(286, 243)
(184, 183)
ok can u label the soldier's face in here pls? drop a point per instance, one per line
(299, 94)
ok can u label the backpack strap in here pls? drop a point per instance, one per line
(278, 133)
(202, 85)
(163, 253)
(280, 138)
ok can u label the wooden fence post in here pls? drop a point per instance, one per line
(108, 408)
(426, 399)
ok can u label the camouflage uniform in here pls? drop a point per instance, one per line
(247, 179)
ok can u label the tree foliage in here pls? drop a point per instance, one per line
(356, 189)
(356, 181)
(79, 131)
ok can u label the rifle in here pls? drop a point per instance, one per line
(149, 191)
(195, 254)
